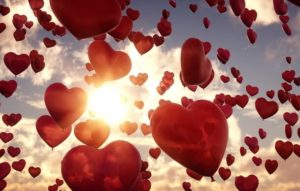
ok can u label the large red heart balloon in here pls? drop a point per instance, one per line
(87, 18)
(195, 67)
(108, 64)
(92, 132)
(195, 136)
(50, 132)
(65, 105)
(113, 168)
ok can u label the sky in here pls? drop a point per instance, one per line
(261, 64)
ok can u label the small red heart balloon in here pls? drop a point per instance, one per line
(108, 63)
(224, 173)
(7, 88)
(65, 105)
(6, 137)
(87, 18)
(50, 131)
(123, 29)
(92, 132)
(195, 136)
(34, 171)
(195, 67)
(115, 167)
(19, 165)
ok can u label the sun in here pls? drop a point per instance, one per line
(108, 104)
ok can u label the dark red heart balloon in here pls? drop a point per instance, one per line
(195, 136)
(266, 108)
(65, 105)
(237, 6)
(4, 170)
(195, 67)
(271, 166)
(87, 18)
(7, 88)
(6, 137)
(224, 173)
(284, 149)
(16, 63)
(50, 131)
(115, 167)
(11, 119)
(123, 29)
(13, 151)
(249, 183)
(19, 165)
(108, 63)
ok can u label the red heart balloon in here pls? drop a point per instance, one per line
(249, 183)
(223, 55)
(50, 132)
(252, 36)
(7, 88)
(11, 119)
(6, 137)
(271, 166)
(195, 67)
(19, 165)
(155, 152)
(108, 63)
(164, 27)
(248, 17)
(13, 151)
(280, 7)
(4, 170)
(143, 43)
(195, 136)
(224, 173)
(266, 108)
(284, 149)
(256, 160)
(37, 61)
(133, 14)
(290, 118)
(115, 167)
(230, 159)
(252, 90)
(123, 29)
(3, 184)
(92, 132)
(34, 171)
(87, 18)
(65, 105)
(16, 63)
(237, 6)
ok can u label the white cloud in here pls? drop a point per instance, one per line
(265, 11)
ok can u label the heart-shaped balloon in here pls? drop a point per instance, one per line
(4, 170)
(65, 105)
(92, 132)
(50, 132)
(195, 67)
(108, 63)
(7, 88)
(195, 136)
(16, 63)
(266, 108)
(87, 18)
(115, 167)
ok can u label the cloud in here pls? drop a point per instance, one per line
(265, 11)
